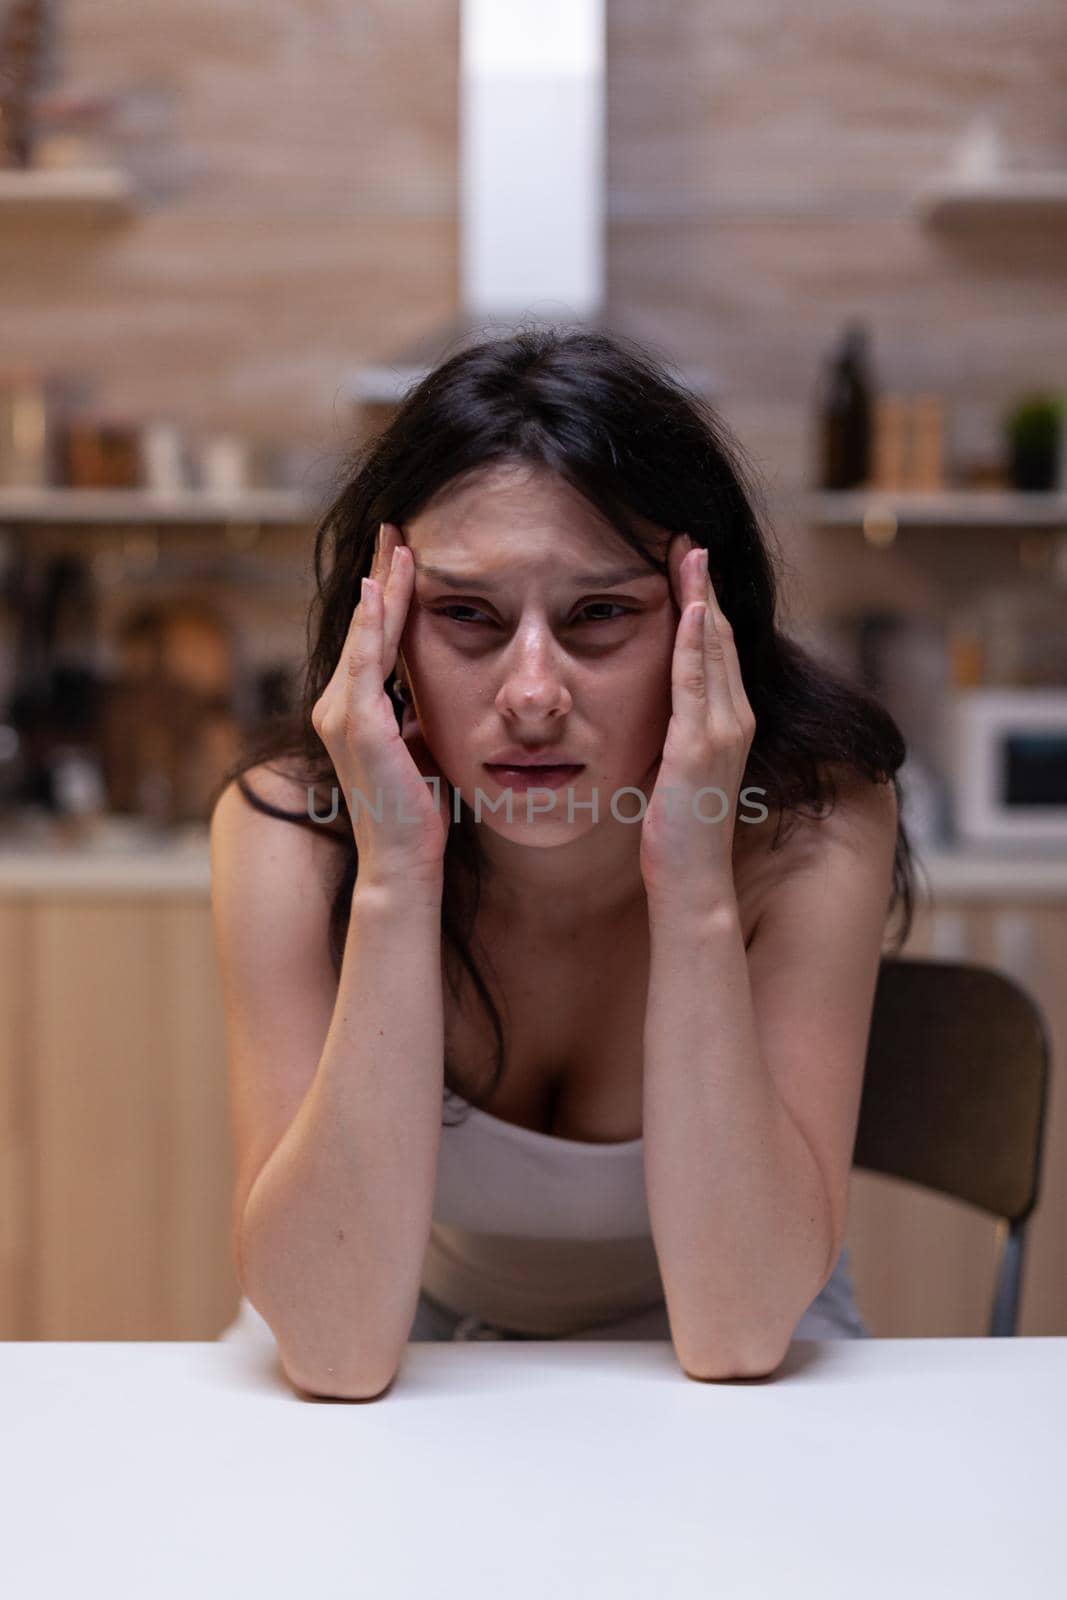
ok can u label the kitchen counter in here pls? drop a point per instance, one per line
(128, 857)
(994, 874)
(122, 856)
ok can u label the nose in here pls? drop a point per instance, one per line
(533, 686)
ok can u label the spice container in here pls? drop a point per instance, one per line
(966, 651)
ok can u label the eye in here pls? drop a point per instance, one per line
(444, 611)
(624, 610)
(593, 604)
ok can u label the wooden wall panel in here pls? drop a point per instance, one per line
(296, 166)
(100, 1056)
(200, 1290)
(744, 98)
(16, 1127)
(1044, 1302)
(132, 1168)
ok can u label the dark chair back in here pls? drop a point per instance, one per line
(955, 1095)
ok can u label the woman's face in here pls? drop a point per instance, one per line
(533, 625)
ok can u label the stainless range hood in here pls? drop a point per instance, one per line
(532, 243)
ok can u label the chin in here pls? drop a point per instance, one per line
(545, 828)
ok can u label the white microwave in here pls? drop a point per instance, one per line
(1008, 766)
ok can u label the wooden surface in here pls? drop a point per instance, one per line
(116, 1070)
(17, 1234)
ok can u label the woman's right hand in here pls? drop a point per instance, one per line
(355, 720)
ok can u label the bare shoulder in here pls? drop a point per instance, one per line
(859, 819)
(864, 813)
(250, 838)
(281, 784)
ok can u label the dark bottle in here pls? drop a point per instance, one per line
(27, 712)
(23, 43)
(56, 698)
(845, 413)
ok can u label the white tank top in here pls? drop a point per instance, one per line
(538, 1233)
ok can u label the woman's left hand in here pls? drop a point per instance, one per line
(686, 854)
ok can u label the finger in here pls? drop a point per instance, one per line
(340, 672)
(399, 587)
(363, 661)
(389, 575)
(717, 695)
(730, 659)
(689, 678)
(689, 685)
(715, 647)
(693, 567)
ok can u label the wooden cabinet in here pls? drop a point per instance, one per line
(116, 1167)
(116, 1163)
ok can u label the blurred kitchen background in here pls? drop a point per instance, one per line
(232, 234)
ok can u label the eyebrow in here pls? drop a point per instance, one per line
(593, 580)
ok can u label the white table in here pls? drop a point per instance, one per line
(863, 1468)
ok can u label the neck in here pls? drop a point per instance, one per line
(591, 879)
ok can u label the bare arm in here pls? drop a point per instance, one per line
(753, 1078)
(337, 1081)
(753, 1060)
(335, 1227)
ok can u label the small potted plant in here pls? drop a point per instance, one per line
(1034, 430)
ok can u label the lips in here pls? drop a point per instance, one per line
(528, 777)
(540, 756)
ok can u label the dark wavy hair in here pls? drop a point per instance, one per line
(605, 415)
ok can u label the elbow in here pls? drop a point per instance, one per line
(725, 1364)
(368, 1381)
(363, 1369)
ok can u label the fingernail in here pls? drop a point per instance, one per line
(363, 589)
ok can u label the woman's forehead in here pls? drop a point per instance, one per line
(512, 508)
(503, 491)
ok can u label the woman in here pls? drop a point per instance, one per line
(643, 973)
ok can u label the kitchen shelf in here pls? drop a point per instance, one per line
(1014, 197)
(959, 508)
(190, 508)
(61, 194)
